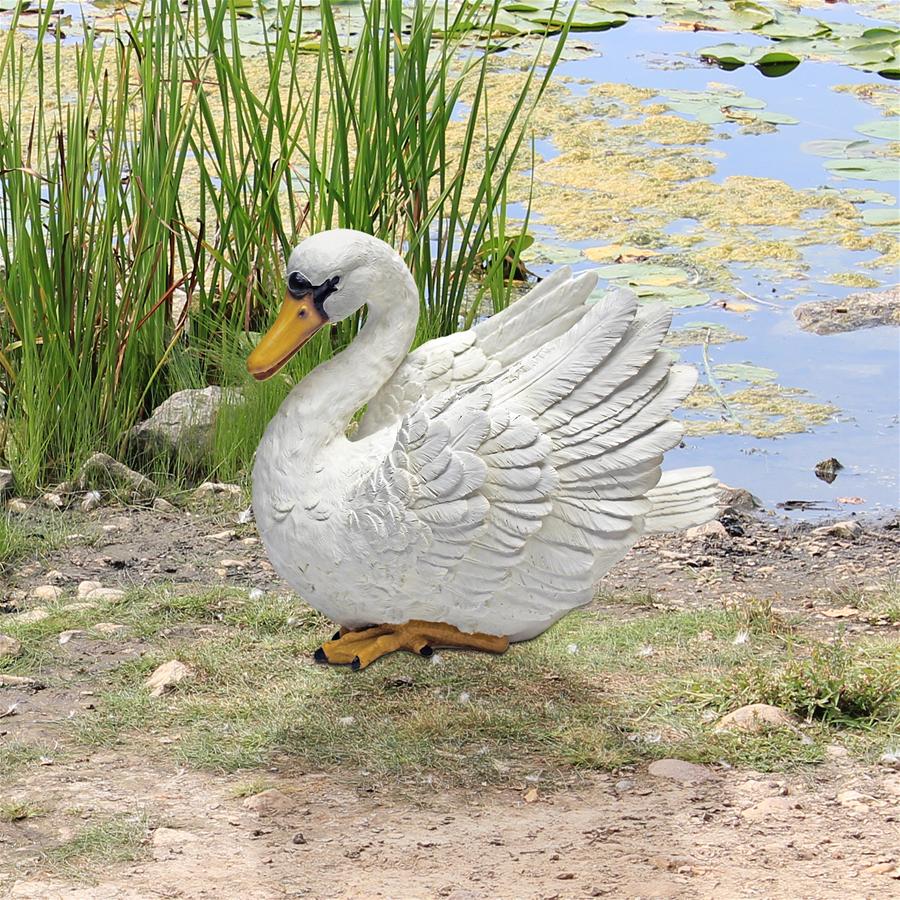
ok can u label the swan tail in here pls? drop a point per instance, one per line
(681, 499)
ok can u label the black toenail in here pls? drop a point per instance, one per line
(355, 664)
(337, 635)
(426, 651)
(319, 656)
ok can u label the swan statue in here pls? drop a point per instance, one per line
(496, 474)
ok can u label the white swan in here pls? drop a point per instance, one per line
(496, 474)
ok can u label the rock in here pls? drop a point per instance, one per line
(738, 498)
(78, 606)
(882, 868)
(769, 808)
(708, 531)
(212, 488)
(109, 628)
(17, 505)
(848, 530)
(161, 505)
(854, 800)
(166, 676)
(755, 718)
(67, 636)
(48, 593)
(184, 424)
(679, 770)
(20, 681)
(9, 647)
(827, 470)
(29, 617)
(890, 758)
(92, 499)
(865, 309)
(95, 592)
(104, 471)
(6, 483)
(269, 803)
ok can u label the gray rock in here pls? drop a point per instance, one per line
(46, 593)
(9, 647)
(161, 505)
(101, 470)
(214, 488)
(680, 770)
(184, 424)
(713, 531)
(865, 309)
(30, 616)
(738, 498)
(848, 530)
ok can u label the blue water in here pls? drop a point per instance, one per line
(858, 372)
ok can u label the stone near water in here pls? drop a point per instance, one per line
(85, 588)
(848, 530)
(161, 505)
(708, 531)
(166, 676)
(47, 593)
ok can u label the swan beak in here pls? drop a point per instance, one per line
(297, 322)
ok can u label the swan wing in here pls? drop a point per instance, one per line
(512, 497)
(484, 351)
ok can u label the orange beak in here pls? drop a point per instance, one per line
(297, 322)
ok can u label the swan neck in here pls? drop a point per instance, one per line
(331, 394)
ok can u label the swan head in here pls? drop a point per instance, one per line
(330, 276)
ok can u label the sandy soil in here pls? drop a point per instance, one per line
(832, 832)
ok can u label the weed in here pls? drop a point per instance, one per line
(116, 839)
(16, 811)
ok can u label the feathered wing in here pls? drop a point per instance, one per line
(465, 358)
(514, 496)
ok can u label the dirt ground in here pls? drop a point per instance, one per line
(832, 831)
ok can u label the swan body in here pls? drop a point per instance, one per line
(497, 473)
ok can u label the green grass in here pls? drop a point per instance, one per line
(22, 538)
(171, 160)
(879, 603)
(19, 810)
(113, 839)
(594, 693)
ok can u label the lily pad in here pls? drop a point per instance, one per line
(882, 128)
(744, 372)
(881, 217)
(733, 56)
(865, 168)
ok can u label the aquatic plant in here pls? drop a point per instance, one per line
(151, 183)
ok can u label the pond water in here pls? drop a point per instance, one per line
(858, 373)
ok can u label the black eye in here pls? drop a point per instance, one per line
(298, 285)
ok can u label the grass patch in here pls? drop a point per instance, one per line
(590, 694)
(16, 755)
(879, 604)
(833, 683)
(18, 811)
(117, 839)
(20, 539)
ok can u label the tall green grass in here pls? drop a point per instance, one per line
(165, 163)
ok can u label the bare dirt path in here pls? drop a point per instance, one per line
(832, 831)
